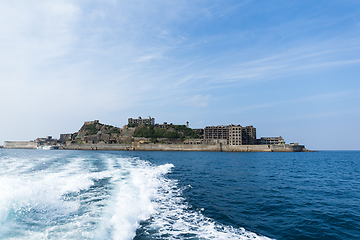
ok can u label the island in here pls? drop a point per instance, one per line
(143, 134)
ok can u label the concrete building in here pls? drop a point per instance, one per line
(235, 135)
(91, 122)
(48, 141)
(249, 135)
(65, 137)
(164, 125)
(149, 120)
(216, 132)
(239, 135)
(271, 141)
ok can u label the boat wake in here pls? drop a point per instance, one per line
(98, 196)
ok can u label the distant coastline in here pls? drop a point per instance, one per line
(144, 135)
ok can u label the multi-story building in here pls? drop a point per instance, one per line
(148, 120)
(239, 135)
(235, 135)
(216, 132)
(271, 140)
(249, 135)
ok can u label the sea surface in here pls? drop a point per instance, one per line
(179, 195)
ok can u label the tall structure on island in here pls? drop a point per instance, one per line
(239, 135)
(235, 135)
(216, 132)
(148, 120)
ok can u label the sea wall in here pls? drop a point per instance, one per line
(166, 147)
(144, 147)
(264, 148)
(177, 147)
(99, 146)
(20, 144)
(188, 147)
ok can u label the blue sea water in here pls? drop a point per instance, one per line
(179, 195)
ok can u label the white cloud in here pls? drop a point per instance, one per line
(150, 57)
(33, 31)
(199, 101)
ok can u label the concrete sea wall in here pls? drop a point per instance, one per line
(166, 147)
(188, 147)
(20, 144)
(118, 147)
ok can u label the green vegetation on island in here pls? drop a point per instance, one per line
(96, 132)
(172, 132)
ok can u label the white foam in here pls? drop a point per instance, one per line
(143, 192)
(38, 197)
(174, 219)
(62, 201)
(132, 202)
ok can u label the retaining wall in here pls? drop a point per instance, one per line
(166, 147)
(187, 147)
(122, 147)
(20, 144)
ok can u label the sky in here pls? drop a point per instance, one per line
(289, 68)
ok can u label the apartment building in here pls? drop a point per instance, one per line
(271, 140)
(216, 132)
(234, 134)
(148, 120)
(239, 135)
(249, 135)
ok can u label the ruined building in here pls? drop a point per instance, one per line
(149, 120)
(235, 135)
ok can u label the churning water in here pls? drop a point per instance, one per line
(178, 195)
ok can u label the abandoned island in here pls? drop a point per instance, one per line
(143, 134)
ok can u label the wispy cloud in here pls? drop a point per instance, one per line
(198, 100)
(330, 97)
(316, 116)
(148, 57)
(289, 62)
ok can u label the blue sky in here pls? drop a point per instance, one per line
(289, 68)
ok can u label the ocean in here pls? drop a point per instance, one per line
(61, 194)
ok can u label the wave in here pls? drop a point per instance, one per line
(98, 196)
(175, 219)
